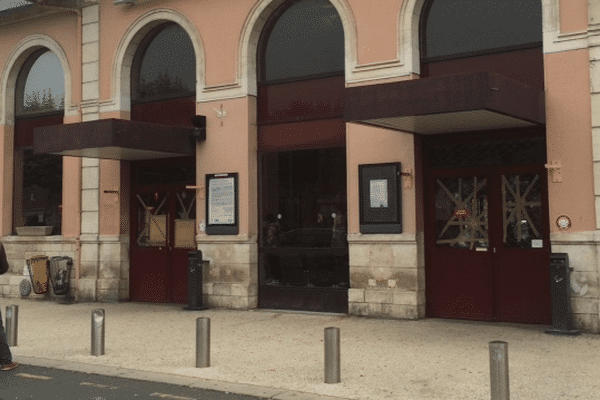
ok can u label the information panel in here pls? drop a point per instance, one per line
(222, 204)
(380, 198)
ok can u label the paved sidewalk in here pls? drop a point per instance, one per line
(280, 354)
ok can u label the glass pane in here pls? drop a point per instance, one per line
(152, 219)
(42, 190)
(304, 234)
(522, 211)
(168, 68)
(185, 221)
(44, 88)
(461, 213)
(308, 39)
(455, 26)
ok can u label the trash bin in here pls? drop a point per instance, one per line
(560, 291)
(60, 274)
(195, 271)
(38, 272)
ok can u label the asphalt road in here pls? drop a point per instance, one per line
(37, 383)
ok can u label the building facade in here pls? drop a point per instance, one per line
(399, 159)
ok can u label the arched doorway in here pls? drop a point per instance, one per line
(486, 205)
(303, 252)
(162, 214)
(39, 102)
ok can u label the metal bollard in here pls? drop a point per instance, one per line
(12, 319)
(332, 355)
(499, 370)
(202, 342)
(98, 332)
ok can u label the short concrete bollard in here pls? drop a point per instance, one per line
(332, 355)
(202, 342)
(499, 370)
(98, 332)
(12, 320)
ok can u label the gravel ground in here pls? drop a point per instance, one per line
(380, 359)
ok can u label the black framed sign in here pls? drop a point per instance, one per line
(380, 198)
(222, 204)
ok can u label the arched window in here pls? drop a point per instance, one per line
(457, 28)
(39, 101)
(302, 39)
(164, 66)
(40, 85)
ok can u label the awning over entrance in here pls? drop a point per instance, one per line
(115, 139)
(452, 103)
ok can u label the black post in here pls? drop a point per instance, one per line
(195, 270)
(560, 289)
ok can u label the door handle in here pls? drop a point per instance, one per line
(494, 249)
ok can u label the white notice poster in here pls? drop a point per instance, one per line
(221, 201)
(379, 193)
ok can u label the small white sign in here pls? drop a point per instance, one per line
(379, 193)
(537, 243)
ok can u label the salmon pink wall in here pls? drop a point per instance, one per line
(230, 146)
(377, 26)
(573, 15)
(371, 145)
(569, 139)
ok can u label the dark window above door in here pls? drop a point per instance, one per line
(458, 28)
(302, 40)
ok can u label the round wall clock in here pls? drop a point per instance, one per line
(563, 222)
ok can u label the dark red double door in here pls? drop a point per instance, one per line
(487, 244)
(163, 219)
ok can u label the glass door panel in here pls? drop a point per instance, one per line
(522, 211)
(152, 216)
(461, 213)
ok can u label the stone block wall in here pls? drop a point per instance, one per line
(386, 277)
(20, 248)
(230, 279)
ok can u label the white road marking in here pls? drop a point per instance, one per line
(98, 385)
(171, 396)
(30, 376)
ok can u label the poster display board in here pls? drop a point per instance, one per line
(222, 204)
(380, 198)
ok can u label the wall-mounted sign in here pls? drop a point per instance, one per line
(380, 198)
(222, 204)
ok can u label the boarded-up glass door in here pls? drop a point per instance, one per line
(487, 244)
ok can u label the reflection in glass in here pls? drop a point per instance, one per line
(165, 65)
(306, 40)
(521, 210)
(304, 234)
(461, 213)
(41, 85)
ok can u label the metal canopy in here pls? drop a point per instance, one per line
(445, 104)
(114, 139)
